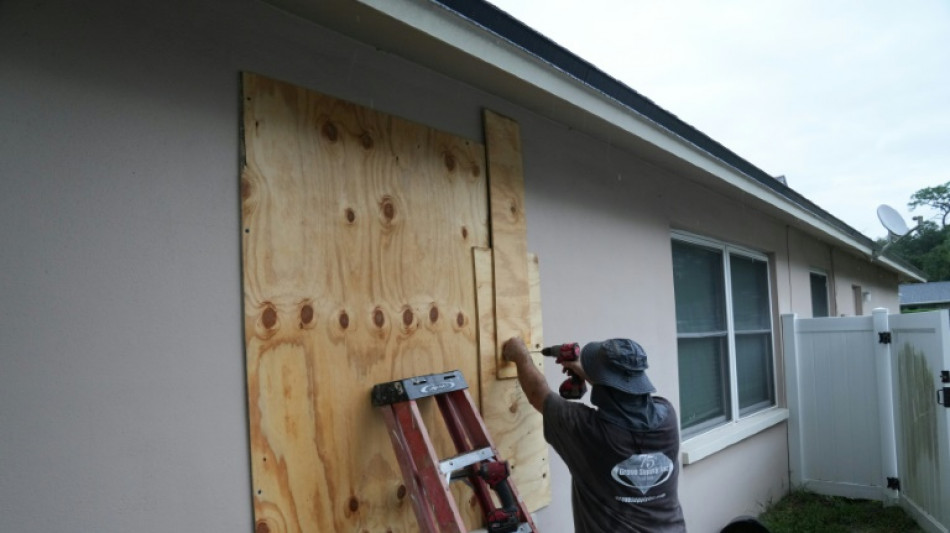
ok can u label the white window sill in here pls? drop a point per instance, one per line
(703, 445)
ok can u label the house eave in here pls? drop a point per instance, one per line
(477, 43)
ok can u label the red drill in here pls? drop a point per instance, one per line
(573, 387)
(504, 519)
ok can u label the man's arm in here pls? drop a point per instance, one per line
(531, 379)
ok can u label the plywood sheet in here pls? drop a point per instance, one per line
(357, 233)
(508, 233)
(515, 427)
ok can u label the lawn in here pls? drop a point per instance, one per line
(806, 512)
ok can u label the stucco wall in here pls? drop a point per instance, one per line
(621, 284)
(122, 386)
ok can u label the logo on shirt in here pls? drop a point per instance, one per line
(643, 471)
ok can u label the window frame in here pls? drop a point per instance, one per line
(736, 415)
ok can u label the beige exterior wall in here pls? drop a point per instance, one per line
(122, 390)
(620, 283)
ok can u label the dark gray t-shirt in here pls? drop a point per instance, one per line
(623, 480)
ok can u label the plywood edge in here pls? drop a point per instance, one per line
(508, 234)
(540, 495)
(485, 309)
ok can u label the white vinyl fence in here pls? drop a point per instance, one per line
(864, 417)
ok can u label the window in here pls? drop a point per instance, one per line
(819, 294)
(724, 332)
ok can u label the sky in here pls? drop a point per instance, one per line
(849, 100)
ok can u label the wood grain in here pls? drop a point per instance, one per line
(514, 425)
(357, 233)
(508, 234)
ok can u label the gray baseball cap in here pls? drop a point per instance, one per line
(617, 363)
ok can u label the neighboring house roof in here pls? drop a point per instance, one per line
(937, 292)
(502, 55)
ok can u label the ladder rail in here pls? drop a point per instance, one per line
(427, 477)
(463, 407)
(434, 496)
(465, 441)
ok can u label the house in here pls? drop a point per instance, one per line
(189, 332)
(924, 296)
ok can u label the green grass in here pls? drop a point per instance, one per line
(806, 512)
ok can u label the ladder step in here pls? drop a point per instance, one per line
(403, 390)
(461, 461)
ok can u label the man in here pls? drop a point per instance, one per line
(623, 455)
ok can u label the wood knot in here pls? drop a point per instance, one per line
(460, 319)
(329, 131)
(344, 320)
(449, 160)
(306, 314)
(464, 232)
(354, 504)
(433, 314)
(262, 527)
(379, 318)
(476, 171)
(387, 208)
(269, 317)
(350, 215)
(407, 317)
(366, 140)
(401, 492)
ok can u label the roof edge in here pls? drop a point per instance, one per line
(500, 23)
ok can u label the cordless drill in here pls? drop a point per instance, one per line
(573, 387)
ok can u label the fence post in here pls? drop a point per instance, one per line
(796, 458)
(885, 405)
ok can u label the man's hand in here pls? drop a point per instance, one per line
(515, 351)
(529, 377)
(576, 367)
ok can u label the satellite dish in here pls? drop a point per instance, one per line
(892, 220)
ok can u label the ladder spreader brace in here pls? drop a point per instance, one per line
(477, 461)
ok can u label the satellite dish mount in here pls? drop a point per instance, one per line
(896, 227)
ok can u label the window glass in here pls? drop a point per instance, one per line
(724, 333)
(699, 288)
(704, 381)
(819, 295)
(754, 371)
(750, 293)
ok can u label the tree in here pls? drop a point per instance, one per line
(937, 197)
(927, 248)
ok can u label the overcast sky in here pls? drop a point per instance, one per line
(850, 100)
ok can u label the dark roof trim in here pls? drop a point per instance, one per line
(522, 36)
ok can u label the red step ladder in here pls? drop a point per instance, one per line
(477, 461)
